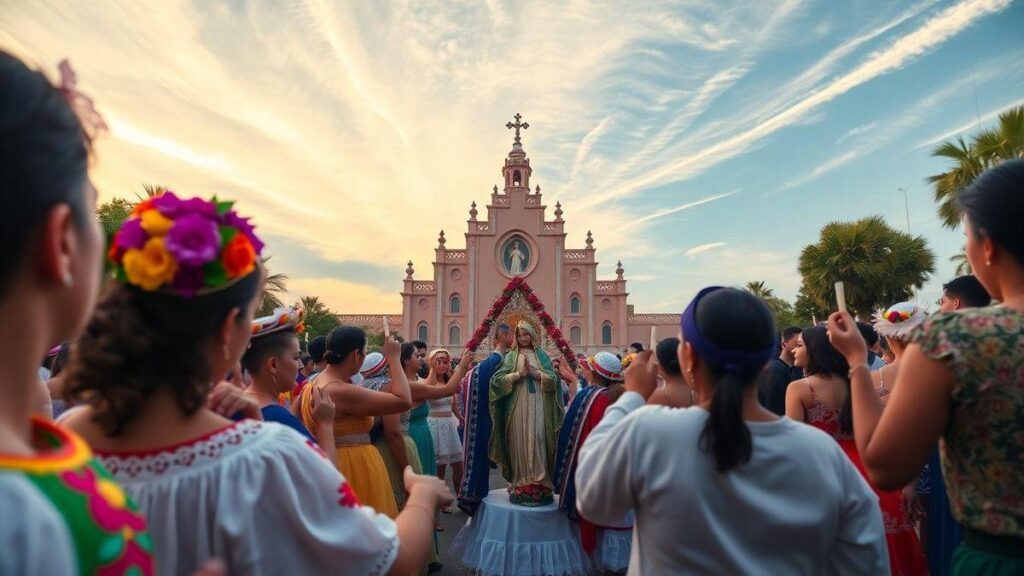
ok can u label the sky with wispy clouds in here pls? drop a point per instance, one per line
(701, 141)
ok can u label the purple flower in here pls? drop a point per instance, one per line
(131, 235)
(167, 204)
(193, 240)
(188, 281)
(235, 221)
(199, 206)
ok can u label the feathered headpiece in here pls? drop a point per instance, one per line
(899, 320)
(282, 319)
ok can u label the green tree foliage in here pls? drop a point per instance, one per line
(782, 311)
(319, 319)
(986, 149)
(273, 292)
(879, 265)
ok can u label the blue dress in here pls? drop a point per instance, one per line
(419, 431)
(281, 415)
(943, 531)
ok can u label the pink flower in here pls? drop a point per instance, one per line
(193, 240)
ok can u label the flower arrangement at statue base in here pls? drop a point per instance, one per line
(530, 495)
(518, 297)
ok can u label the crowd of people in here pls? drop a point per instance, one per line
(193, 437)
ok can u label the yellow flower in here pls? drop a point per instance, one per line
(155, 223)
(151, 267)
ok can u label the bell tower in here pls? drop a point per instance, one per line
(517, 165)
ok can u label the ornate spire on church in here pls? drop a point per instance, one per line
(524, 125)
(537, 189)
(619, 271)
(409, 271)
(440, 240)
(558, 211)
(495, 188)
(473, 211)
(590, 239)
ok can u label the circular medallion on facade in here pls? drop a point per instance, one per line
(424, 304)
(574, 274)
(606, 303)
(516, 254)
(456, 274)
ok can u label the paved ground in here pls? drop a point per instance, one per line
(452, 524)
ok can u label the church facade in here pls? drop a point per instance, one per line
(514, 236)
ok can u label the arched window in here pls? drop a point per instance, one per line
(576, 335)
(422, 333)
(517, 178)
(606, 333)
(454, 335)
(574, 304)
(455, 304)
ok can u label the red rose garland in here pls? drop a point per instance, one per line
(553, 332)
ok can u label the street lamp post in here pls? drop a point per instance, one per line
(906, 206)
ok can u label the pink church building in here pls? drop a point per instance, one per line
(515, 238)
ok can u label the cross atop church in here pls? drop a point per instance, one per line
(517, 126)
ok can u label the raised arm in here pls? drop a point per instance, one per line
(894, 444)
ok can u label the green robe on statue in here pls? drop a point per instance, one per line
(526, 416)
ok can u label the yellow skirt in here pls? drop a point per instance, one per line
(366, 474)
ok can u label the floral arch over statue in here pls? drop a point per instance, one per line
(516, 302)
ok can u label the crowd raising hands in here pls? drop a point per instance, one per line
(190, 448)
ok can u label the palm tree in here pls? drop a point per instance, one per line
(879, 265)
(151, 190)
(273, 290)
(319, 318)
(963, 266)
(758, 289)
(987, 148)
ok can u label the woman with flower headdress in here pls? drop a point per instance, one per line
(62, 513)
(444, 425)
(608, 544)
(272, 361)
(179, 316)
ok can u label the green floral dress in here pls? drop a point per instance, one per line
(983, 443)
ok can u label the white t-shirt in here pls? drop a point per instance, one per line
(258, 496)
(798, 507)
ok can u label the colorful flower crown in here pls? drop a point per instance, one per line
(282, 319)
(899, 320)
(185, 247)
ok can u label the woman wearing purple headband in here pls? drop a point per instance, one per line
(726, 486)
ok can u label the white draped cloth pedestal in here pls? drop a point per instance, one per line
(504, 539)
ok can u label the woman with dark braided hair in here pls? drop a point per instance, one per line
(61, 512)
(726, 487)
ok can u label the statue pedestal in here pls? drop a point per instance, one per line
(503, 539)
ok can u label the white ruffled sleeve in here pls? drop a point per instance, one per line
(305, 497)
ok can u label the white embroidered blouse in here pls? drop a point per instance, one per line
(258, 496)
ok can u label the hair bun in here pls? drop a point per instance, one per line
(332, 357)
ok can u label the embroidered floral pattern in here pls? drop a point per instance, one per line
(825, 418)
(348, 497)
(984, 348)
(191, 455)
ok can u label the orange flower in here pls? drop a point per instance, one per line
(239, 257)
(155, 223)
(142, 206)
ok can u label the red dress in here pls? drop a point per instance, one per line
(905, 555)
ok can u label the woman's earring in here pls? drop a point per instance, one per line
(988, 262)
(68, 280)
(227, 355)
